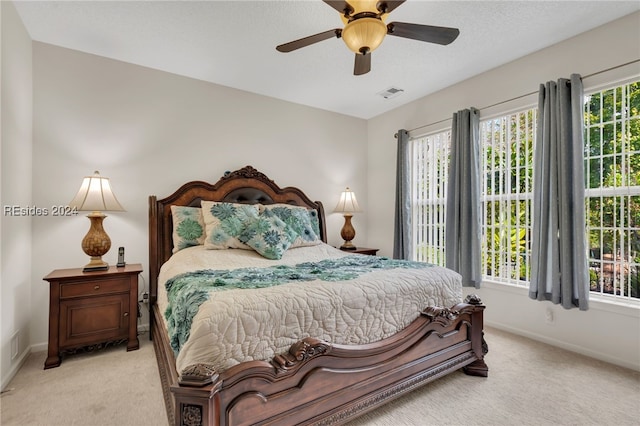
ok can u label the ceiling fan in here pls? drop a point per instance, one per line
(365, 29)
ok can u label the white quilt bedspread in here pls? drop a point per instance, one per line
(239, 325)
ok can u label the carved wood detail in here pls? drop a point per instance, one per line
(442, 316)
(299, 353)
(93, 348)
(394, 391)
(198, 375)
(247, 172)
(191, 415)
(485, 347)
(473, 299)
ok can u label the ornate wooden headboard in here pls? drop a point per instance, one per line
(246, 185)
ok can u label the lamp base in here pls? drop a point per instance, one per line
(96, 264)
(96, 244)
(348, 246)
(347, 233)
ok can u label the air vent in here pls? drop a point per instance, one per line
(391, 92)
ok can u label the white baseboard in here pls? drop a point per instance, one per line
(41, 347)
(16, 367)
(564, 345)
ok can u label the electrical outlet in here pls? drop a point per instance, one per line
(145, 297)
(548, 315)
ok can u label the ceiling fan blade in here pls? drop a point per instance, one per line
(341, 6)
(388, 6)
(362, 64)
(303, 42)
(428, 33)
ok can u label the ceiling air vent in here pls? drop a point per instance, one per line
(391, 92)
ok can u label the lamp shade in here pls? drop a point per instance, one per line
(347, 203)
(95, 194)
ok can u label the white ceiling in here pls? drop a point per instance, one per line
(232, 43)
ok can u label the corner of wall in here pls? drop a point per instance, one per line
(16, 158)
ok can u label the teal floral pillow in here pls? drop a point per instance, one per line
(315, 221)
(188, 227)
(224, 222)
(302, 220)
(268, 235)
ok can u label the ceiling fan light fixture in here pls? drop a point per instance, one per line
(364, 33)
(365, 28)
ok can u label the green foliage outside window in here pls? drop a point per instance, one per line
(612, 182)
(612, 166)
(507, 167)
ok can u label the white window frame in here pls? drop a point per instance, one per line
(428, 195)
(420, 203)
(606, 271)
(500, 265)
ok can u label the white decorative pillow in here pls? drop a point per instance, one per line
(188, 227)
(268, 235)
(224, 222)
(302, 220)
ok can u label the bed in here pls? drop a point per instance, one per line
(319, 375)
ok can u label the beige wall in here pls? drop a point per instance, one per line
(15, 189)
(605, 331)
(149, 132)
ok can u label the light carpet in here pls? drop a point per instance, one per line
(529, 383)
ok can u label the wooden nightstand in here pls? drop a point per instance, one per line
(364, 250)
(88, 308)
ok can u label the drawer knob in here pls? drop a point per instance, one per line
(126, 314)
(96, 287)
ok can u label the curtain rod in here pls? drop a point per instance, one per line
(526, 94)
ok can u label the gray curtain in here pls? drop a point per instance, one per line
(463, 231)
(402, 222)
(559, 270)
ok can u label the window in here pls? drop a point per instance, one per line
(429, 173)
(612, 179)
(506, 164)
(612, 174)
(506, 168)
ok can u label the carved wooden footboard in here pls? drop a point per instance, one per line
(321, 384)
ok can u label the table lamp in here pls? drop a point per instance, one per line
(347, 206)
(95, 196)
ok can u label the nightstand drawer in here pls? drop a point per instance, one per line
(98, 287)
